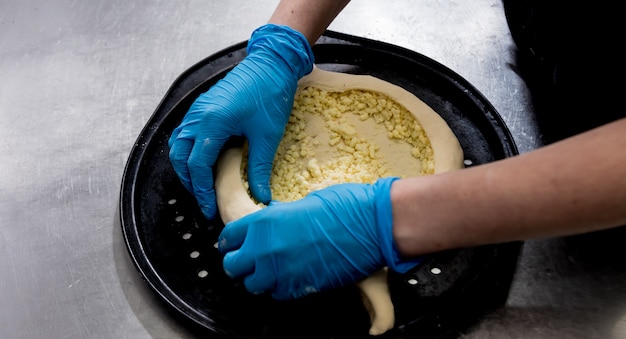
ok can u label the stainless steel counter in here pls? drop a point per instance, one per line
(79, 79)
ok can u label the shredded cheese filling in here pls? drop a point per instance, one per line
(331, 138)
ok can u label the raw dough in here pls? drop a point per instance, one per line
(233, 200)
(377, 301)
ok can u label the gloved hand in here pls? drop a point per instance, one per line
(331, 237)
(253, 100)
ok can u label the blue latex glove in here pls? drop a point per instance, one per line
(332, 237)
(253, 100)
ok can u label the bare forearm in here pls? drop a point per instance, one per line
(310, 18)
(573, 186)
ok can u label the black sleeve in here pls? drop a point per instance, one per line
(569, 53)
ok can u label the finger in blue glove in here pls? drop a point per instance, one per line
(253, 100)
(330, 238)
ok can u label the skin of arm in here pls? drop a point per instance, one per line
(573, 186)
(311, 18)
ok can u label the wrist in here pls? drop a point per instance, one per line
(385, 223)
(422, 215)
(277, 42)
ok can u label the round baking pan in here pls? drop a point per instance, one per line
(172, 244)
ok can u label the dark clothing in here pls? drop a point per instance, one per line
(569, 53)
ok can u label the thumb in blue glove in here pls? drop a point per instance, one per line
(253, 100)
(332, 237)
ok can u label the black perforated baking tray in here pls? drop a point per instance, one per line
(172, 244)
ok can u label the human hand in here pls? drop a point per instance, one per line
(332, 237)
(253, 100)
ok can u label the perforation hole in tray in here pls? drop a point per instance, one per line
(190, 240)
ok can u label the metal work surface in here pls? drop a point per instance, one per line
(81, 79)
